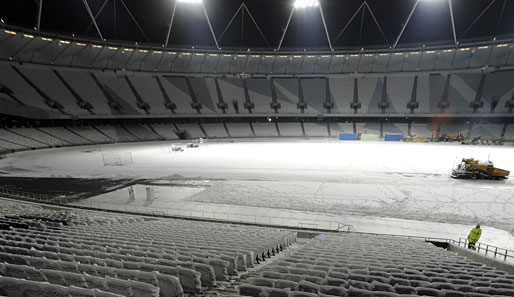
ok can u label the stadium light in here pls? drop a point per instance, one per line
(306, 3)
(190, 1)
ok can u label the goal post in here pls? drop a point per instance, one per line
(117, 159)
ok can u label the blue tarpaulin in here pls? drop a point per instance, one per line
(394, 137)
(347, 136)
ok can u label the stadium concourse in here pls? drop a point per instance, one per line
(271, 148)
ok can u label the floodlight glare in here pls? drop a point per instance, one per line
(306, 3)
(190, 1)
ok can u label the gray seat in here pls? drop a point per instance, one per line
(310, 287)
(169, 285)
(425, 291)
(12, 286)
(250, 290)
(261, 282)
(54, 277)
(80, 292)
(118, 286)
(283, 284)
(333, 290)
(276, 292)
(140, 289)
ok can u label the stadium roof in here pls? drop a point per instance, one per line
(269, 24)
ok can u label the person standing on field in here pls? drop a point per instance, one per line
(474, 236)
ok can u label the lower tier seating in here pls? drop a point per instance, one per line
(356, 265)
(73, 252)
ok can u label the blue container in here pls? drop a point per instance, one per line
(347, 136)
(394, 137)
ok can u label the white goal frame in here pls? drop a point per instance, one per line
(117, 159)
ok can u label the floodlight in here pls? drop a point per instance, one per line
(306, 3)
(190, 1)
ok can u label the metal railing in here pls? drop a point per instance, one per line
(487, 249)
(13, 193)
(300, 223)
(295, 222)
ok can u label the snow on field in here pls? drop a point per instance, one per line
(375, 186)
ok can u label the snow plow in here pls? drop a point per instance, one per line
(474, 169)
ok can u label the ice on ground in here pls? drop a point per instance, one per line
(366, 184)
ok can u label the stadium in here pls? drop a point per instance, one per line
(271, 148)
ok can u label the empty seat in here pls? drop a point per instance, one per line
(261, 282)
(250, 290)
(118, 286)
(140, 289)
(80, 292)
(54, 277)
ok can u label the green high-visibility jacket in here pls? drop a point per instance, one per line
(474, 235)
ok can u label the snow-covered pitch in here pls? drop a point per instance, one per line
(400, 188)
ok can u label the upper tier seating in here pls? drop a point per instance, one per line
(110, 92)
(123, 254)
(265, 129)
(215, 130)
(357, 265)
(240, 130)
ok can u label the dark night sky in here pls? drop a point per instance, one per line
(430, 22)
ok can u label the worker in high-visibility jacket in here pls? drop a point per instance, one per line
(474, 236)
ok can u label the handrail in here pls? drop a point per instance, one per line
(301, 223)
(31, 196)
(489, 249)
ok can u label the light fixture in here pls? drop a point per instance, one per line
(190, 1)
(306, 3)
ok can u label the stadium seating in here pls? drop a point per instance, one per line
(29, 137)
(240, 130)
(215, 130)
(143, 133)
(113, 93)
(192, 130)
(290, 129)
(166, 131)
(91, 134)
(265, 129)
(314, 129)
(368, 265)
(123, 254)
(117, 133)
(65, 135)
(337, 128)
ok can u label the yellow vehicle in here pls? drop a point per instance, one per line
(474, 169)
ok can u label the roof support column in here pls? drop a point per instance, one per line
(406, 23)
(210, 26)
(93, 19)
(38, 26)
(171, 24)
(453, 22)
(325, 26)
(285, 30)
